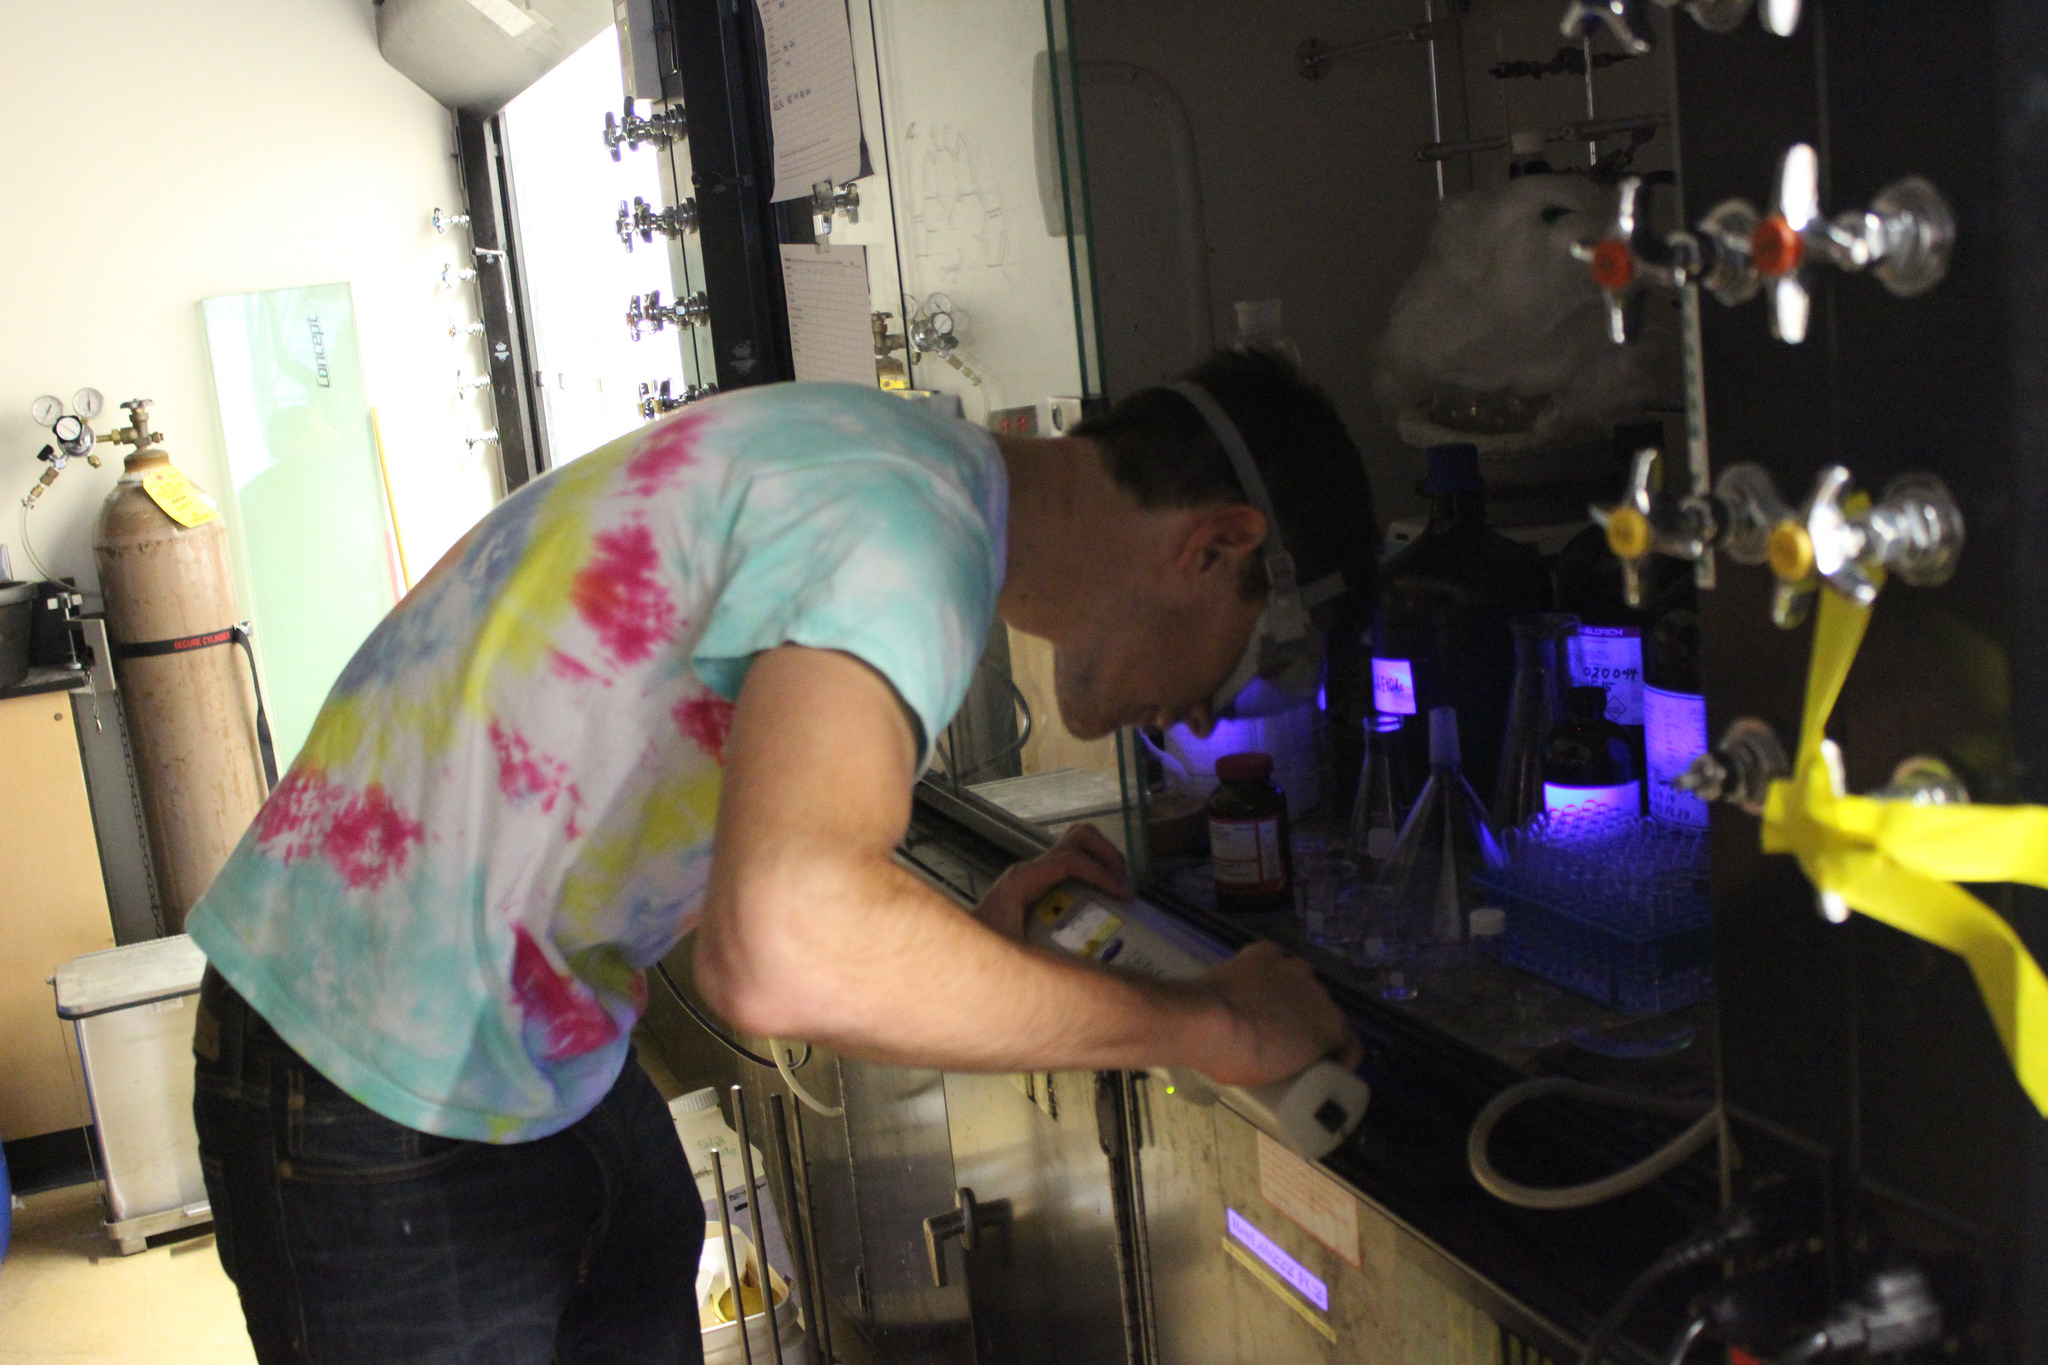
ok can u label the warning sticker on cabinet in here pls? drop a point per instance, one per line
(1324, 1209)
(180, 498)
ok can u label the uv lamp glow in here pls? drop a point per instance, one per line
(1624, 798)
(1393, 687)
(1276, 1260)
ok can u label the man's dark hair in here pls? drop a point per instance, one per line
(1160, 451)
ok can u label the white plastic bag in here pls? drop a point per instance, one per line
(1500, 312)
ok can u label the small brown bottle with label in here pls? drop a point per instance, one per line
(1248, 836)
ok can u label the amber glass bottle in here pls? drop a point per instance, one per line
(1248, 836)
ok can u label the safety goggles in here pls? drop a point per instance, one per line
(1282, 665)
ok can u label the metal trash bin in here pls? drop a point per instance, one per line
(134, 1009)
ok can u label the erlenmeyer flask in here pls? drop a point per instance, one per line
(1446, 841)
(1376, 810)
(1536, 707)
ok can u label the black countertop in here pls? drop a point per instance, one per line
(39, 680)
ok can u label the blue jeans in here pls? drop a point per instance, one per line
(355, 1239)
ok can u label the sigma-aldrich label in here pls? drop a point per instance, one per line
(1611, 657)
(1674, 734)
(1393, 687)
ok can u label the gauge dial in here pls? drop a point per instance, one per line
(67, 429)
(88, 403)
(942, 323)
(46, 410)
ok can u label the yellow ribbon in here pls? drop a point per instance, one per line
(1898, 863)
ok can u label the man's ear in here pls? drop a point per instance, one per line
(1224, 536)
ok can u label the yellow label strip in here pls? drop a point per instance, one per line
(1274, 1283)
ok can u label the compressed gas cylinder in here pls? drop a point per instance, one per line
(164, 566)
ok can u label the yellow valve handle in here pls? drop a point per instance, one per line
(1790, 552)
(1628, 533)
(1898, 863)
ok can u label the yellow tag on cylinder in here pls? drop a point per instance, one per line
(180, 498)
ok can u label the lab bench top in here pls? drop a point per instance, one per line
(1472, 1029)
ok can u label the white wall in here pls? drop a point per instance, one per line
(157, 154)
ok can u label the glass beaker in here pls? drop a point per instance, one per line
(1326, 894)
(1535, 708)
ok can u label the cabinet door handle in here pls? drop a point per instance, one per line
(964, 1220)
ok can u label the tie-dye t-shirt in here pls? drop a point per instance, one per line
(504, 812)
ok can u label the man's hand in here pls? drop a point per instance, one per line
(1283, 1018)
(1082, 854)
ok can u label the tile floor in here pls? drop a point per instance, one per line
(65, 1295)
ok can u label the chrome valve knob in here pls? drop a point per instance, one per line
(1751, 511)
(1617, 268)
(643, 219)
(444, 220)
(657, 400)
(1643, 524)
(828, 199)
(649, 311)
(1740, 769)
(629, 130)
(1904, 238)
(1848, 544)
(1923, 780)
(1627, 259)
(1624, 18)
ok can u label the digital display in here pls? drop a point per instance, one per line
(1293, 1272)
(1393, 687)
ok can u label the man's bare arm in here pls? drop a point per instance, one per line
(811, 931)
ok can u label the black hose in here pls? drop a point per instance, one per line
(1732, 1228)
(704, 1020)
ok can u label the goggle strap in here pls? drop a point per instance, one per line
(1289, 604)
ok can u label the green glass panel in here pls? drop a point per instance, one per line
(308, 495)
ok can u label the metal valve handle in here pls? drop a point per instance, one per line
(643, 219)
(650, 310)
(1841, 540)
(1624, 18)
(657, 399)
(1904, 238)
(1613, 258)
(1741, 768)
(629, 130)
(1642, 524)
(828, 199)
(1627, 259)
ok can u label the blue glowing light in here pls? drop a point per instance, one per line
(1624, 798)
(1393, 687)
(1278, 1261)
(1674, 733)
